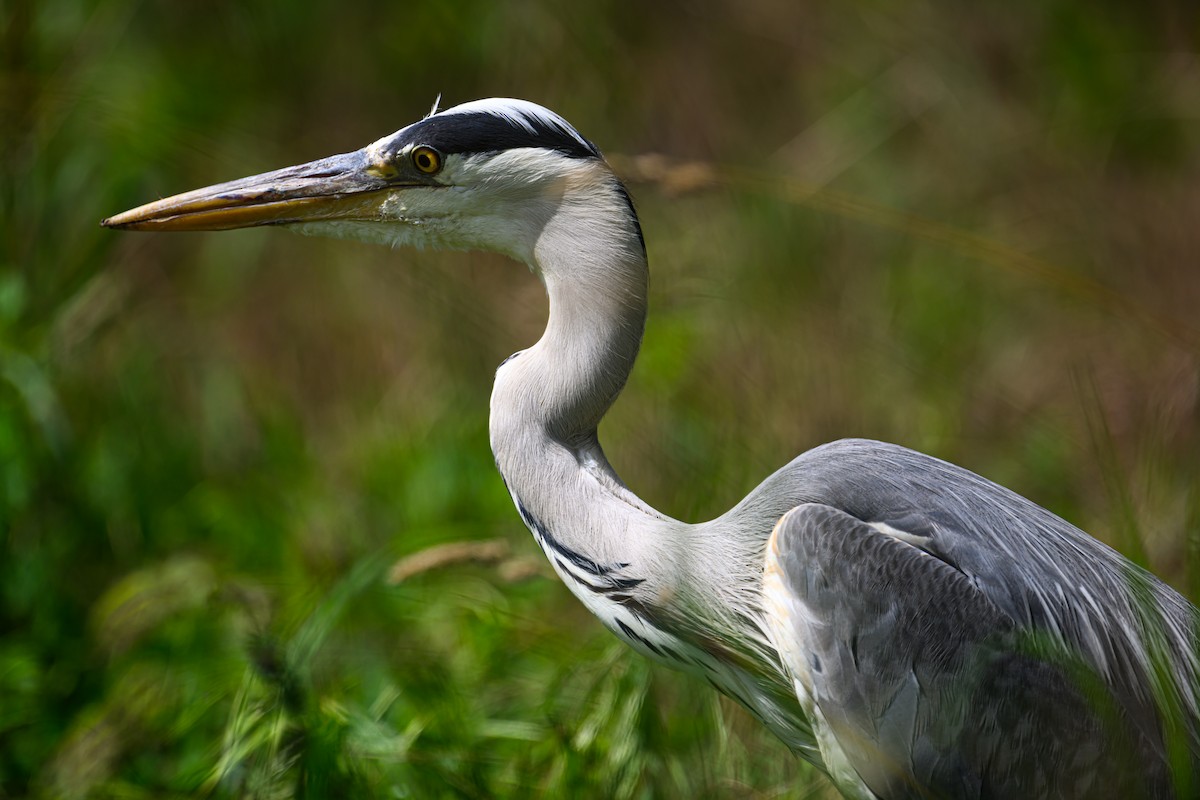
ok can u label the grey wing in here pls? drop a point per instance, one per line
(1135, 634)
(917, 683)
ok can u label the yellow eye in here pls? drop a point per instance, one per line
(426, 159)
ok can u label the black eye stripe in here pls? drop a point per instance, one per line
(482, 132)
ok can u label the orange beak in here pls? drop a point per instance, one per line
(339, 187)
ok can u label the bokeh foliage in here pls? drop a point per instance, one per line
(968, 228)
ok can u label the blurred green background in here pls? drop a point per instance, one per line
(972, 229)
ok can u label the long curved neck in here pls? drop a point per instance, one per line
(684, 594)
(590, 258)
(549, 399)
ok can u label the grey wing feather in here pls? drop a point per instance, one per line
(1130, 635)
(922, 681)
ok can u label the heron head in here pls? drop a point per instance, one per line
(488, 175)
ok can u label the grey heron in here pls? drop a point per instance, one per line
(908, 626)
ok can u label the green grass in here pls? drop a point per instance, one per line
(214, 447)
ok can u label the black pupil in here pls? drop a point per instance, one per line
(424, 160)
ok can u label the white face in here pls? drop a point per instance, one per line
(499, 202)
(475, 197)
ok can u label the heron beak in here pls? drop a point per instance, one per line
(339, 187)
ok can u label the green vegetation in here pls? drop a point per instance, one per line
(970, 229)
